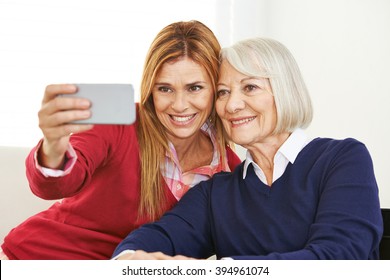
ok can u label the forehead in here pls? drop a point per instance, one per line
(229, 76)
(227, 69)
(229, 73)
(182, 68)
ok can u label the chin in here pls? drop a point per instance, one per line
(240, 141)
(183, 135)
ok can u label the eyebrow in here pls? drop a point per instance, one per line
(187, 85)
(251, 78)
(243, 80)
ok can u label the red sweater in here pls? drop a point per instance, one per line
(100, 199)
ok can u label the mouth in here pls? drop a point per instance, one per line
(182, 120)
(241, 121)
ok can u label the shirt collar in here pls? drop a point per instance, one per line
(208, 130)
(294, 145)
(289, 150)
(179, 182)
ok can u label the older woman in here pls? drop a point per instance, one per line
(292, 198)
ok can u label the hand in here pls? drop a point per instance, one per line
(54, 117)
(142, 255)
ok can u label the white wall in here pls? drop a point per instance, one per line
(75, 41)
(342, 46)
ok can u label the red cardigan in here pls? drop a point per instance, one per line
(100, 199)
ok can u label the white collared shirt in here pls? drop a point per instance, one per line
(288, 152)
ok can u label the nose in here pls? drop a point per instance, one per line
(235, 103)
(179, 102)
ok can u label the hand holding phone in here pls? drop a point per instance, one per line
(110, 103)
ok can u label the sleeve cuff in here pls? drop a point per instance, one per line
(123, 253)
(70, 160)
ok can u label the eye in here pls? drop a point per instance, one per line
(250, 88)
(164, 89)
(222, 93)
(195, 88)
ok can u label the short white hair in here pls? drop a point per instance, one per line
(268, 58)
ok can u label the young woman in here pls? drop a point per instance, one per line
(114, 178)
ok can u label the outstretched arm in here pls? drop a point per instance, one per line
(184, 230)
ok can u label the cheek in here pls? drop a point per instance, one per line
(270, 114)
(205, 102)
(208, 101)
(265, 106)
(219, 107)
(160, 103)
(272, 109)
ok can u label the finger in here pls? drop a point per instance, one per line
(52, 103)
(181, 257)
(128, 256)
(142, 255)
(52, 91)
(62, 117)
(162, 256)
(66, 103)
(56, 113)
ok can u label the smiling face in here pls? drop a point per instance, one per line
(246, 106)
(183, 98)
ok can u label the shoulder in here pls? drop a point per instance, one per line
(123, 134)
(330, 144)
(228, 176)
(329, 149)
(221, 180)
(108, 141)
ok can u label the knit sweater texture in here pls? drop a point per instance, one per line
(325, 206)
(98, 201)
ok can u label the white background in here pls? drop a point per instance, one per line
(342, 47)
(113, 270)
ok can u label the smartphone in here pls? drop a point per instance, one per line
(110, 103)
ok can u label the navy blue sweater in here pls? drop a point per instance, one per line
(325, 206)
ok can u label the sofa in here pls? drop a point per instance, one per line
(17, 202)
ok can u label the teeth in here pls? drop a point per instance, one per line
(182, 119)
(242, 121)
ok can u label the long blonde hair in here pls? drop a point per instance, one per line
(190, 39)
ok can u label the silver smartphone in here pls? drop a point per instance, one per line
(110, 103)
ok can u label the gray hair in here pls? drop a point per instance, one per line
(268, 58)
